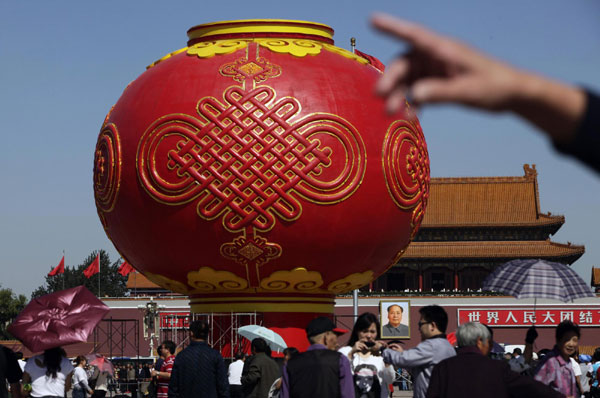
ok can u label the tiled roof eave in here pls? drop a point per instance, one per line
(137, 280)
(539, 223)
(494, 249)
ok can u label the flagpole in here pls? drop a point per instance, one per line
(63, 277)
(98, 274)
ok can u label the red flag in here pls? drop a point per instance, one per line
(59, 269)
(125, 268)
(372, 60)
(93, 268)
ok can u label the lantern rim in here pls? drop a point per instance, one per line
(260, 28)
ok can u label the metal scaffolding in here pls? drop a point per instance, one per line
(117, 337)
(223, 330)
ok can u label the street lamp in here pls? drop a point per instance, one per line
(150, 322)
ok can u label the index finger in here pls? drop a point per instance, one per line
(411, 32)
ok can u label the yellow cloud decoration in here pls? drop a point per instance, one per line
(207, 49)
(345, 53)
(167, 283)
(297, 280)
(207, 280)
(169, 55)
(351, 282)
(297, 48)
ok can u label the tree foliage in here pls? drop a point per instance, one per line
(112, 284)
(10, 306)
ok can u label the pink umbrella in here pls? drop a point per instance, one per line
(58, 319)
(100, 361)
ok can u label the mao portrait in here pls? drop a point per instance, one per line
(394, 319)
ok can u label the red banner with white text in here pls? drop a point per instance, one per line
(177, 320)
(511, 317)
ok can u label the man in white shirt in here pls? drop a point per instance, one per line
(585, 366)
(234, 374)
(577, 372)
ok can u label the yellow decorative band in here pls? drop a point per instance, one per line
(261, 307)
(278, 299)
(258, 26)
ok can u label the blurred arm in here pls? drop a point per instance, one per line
(442, 70)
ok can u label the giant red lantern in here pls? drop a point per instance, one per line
(255, 170)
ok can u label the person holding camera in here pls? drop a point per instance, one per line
(433, 348)
(371, 375)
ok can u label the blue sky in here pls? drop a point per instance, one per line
(63, 64)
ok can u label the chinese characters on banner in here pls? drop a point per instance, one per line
(179, 320)
(525, 317)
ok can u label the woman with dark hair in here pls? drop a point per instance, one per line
(80, 379)
(555, 370)
(371, 375)
(48, 374)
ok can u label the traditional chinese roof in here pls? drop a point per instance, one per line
(493, 249)
(486, 201)
(136, 280)
(595, 277)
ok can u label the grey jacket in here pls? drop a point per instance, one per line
(421, 360)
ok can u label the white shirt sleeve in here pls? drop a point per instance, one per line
(576, 367)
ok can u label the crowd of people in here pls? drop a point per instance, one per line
(52, 374)
(365, 367)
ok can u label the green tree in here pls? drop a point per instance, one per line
(10, 306)
(112, 284)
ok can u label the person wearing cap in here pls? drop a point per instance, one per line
(321, 371)
(433, 349)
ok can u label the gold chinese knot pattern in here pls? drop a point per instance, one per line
(250, 158)
(107, 168)
(251, 251)
(245, 158)
(406, 168)
(258, 70)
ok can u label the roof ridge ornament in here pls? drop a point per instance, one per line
(530, 171)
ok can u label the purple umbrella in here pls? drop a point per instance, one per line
(58, 319)
(537, 279)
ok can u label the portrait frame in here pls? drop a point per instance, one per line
(388, 331)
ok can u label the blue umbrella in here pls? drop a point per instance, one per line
(537, 279)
